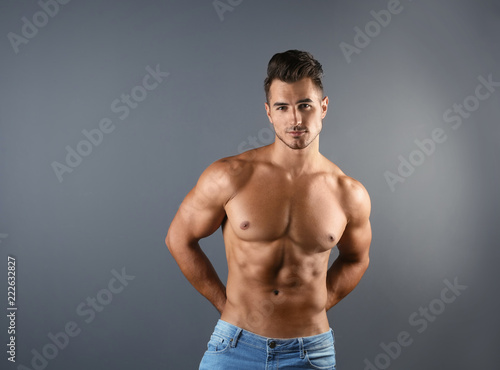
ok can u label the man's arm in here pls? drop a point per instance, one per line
(200, 215)
(354, 245)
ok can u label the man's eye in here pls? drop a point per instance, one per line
(281, 108)
(305, 106)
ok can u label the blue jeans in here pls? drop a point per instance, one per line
(233, 348)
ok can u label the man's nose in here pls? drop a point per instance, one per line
(296, 117)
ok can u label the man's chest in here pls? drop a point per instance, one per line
(308, 212)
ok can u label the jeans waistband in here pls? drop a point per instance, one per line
(236, 334)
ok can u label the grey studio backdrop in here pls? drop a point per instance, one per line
(111, 110)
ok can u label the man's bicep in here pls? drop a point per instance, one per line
(202, 210)
(356, 239)
(355, 242)
(199, 216)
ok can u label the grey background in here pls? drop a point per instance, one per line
(114, 209)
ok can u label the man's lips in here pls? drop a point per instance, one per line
(297, 133)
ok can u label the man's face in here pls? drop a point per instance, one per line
(296, 111)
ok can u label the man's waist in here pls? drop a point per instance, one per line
(279, 321)
(312, 342)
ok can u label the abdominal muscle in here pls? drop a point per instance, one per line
(276, 289)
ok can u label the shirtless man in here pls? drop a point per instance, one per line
(282, 208)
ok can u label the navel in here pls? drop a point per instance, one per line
(245, 225)
(331, 237)
(276, 292)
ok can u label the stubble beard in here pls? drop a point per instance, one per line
(296, 144)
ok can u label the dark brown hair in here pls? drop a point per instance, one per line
(291, 66)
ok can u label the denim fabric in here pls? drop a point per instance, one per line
(233, 348)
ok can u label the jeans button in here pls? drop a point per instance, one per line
(272, 344)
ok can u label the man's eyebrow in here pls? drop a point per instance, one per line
(306, 100)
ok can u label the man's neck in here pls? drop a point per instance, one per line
(295, 161)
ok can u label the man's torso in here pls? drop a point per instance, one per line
(279, 231)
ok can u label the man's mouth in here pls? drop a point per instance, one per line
(297, 133)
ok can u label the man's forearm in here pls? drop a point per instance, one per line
(342, 278)
(199, 271)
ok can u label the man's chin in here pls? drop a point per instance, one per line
(297, 145)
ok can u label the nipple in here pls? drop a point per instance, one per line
(245, 225)
(331, 238)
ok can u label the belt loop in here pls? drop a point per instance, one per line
(301, 348)
(234, 340)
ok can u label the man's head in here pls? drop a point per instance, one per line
(291, 66)
(295, 105)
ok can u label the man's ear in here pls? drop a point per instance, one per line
(268, 112)
(324, 107)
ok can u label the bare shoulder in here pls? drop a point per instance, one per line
(233, 168)
(225, 176)
(357, 199)
(352, 194)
